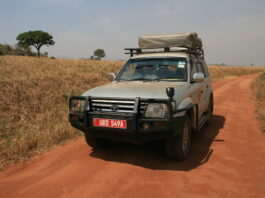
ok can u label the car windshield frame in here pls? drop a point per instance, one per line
(160, 59)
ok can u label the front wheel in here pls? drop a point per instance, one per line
(178, 147)
(96, 142)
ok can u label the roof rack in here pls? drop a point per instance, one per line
(190, 51)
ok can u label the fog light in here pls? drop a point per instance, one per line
(145, 126)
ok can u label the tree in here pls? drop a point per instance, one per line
(99, 53)
(36, 39)
(6, 49)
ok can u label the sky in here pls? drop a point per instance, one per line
(233, 31)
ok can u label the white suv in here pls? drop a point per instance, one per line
(161, 93)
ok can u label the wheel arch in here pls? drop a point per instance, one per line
(191, 110)
(191, 113)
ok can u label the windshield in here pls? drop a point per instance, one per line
(164, 69)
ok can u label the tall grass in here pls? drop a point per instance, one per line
(33, 100)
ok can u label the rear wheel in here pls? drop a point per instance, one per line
(97, 142)
(178, 147)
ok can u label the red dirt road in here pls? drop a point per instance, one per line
(227, 159)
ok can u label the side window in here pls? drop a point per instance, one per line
(205, 69)
(200, 68)
(193, 70)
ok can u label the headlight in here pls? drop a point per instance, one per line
(77, 105)
(156, 110)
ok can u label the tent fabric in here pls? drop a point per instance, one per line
(190, 40)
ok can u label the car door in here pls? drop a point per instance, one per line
(204, 89)
(195, 88)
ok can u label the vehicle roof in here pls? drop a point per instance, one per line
(161, 55)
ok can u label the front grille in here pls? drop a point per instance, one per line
(124, 106)
(115, 105)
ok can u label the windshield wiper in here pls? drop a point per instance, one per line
(139, 79)
(146, 79)
(143, 79)
(172, 79)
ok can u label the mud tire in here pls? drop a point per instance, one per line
(178, 147)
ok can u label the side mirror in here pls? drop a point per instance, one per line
(170, 92)
(198, 77)
(112, 76)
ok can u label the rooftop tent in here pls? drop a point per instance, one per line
(190, 40)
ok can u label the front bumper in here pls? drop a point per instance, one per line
(136, 131)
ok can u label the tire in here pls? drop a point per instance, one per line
(97, 143)
(210, 111)
(178, 147)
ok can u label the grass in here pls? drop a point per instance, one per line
(33, 101)
(222, 72)
(34, 94)
(259, 89)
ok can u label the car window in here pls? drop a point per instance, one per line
(205, 69)
(200, 68)
(163, 69)
(193, 70)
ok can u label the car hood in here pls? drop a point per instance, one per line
(134, 89)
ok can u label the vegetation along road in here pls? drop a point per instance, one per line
(226, 160)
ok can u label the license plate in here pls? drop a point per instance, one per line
(110, 123)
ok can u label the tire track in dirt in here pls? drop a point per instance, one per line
(226, 160)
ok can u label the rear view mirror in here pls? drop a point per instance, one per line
(112, 76)
(198, 77)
